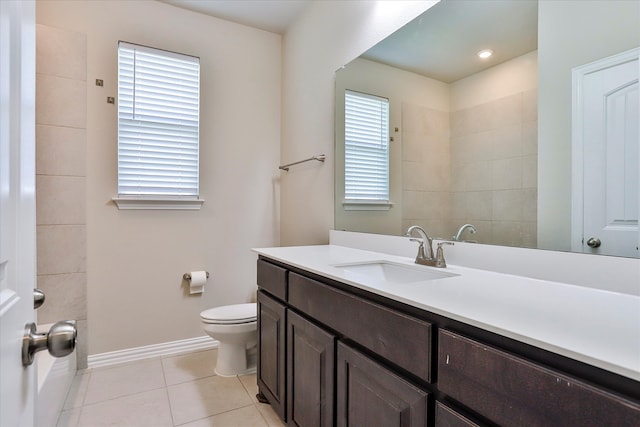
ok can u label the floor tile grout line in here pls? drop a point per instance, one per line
(221, 413)
(164, 374)
(166, 392)
(86, 390)
(192, 379)
(122, 396)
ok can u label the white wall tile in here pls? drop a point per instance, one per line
(61, 249)
(60, 200)
(61, 150)
(508, 205)
(479, 205)
(507, 173)
(508, 142)
(66, 297)
(61, 101)
(530, 171)
(61, 53)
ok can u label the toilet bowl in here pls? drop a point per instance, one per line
(234, 327)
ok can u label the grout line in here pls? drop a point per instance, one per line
(166, 392)
(86, 390)
(58, 126)
(121, 397)
(61, 175)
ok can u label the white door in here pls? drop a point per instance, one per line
(17, 208)
(608, 90)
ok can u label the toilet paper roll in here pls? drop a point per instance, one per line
(198, 280)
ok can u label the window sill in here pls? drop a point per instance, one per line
(158, 203)
(366, 205)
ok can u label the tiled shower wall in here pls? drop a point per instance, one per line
(61, 109)
(426, 169)
(494, 169)
(476, 165)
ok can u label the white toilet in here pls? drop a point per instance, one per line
(235, 328)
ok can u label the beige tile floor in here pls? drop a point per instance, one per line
(169, 391)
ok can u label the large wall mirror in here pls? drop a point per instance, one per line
(536, 146)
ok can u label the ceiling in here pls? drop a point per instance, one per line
(269, 15)
(443, 42)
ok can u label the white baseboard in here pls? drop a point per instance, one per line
(156, 350)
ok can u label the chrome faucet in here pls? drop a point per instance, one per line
(425, 248)
(458, 236)
(424, 239)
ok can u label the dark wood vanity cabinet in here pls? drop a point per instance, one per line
(331, 355)
(447, 417)
(310, 373)
(319, 380)
(403, 340)
(510, 390)
(369, 394)
(270, 364)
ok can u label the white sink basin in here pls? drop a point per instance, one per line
(390, 272)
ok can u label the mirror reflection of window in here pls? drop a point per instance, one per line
(366, 137)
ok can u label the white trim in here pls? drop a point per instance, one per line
(577, 149)
(123, 202)
(366, 205)
(155, 350)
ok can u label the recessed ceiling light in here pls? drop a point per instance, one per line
(484, 54)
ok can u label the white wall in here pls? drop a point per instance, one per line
(135, 259)
(571, 33)
(326, 36)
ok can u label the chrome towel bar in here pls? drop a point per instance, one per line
(319, 157)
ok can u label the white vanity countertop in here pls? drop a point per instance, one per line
(597, 327)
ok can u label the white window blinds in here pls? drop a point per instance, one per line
(366, 147)
(158, 122)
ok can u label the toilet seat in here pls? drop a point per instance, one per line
(230, 314)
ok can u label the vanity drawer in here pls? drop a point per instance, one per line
(447, 417)
(398, 338)
(272, 279)
(509, 390)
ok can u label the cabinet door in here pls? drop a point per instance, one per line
(368, 394)
(310, 370)
(271, 351)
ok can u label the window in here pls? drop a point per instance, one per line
(366, 180)
(158, 129)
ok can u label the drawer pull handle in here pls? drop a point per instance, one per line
(446, 362)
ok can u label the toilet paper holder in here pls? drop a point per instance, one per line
(187, 276)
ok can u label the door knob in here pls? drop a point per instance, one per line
(594, 242)
(38, 298)
(60, 340)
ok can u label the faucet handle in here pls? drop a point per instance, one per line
(421, 253)
(440, 261)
